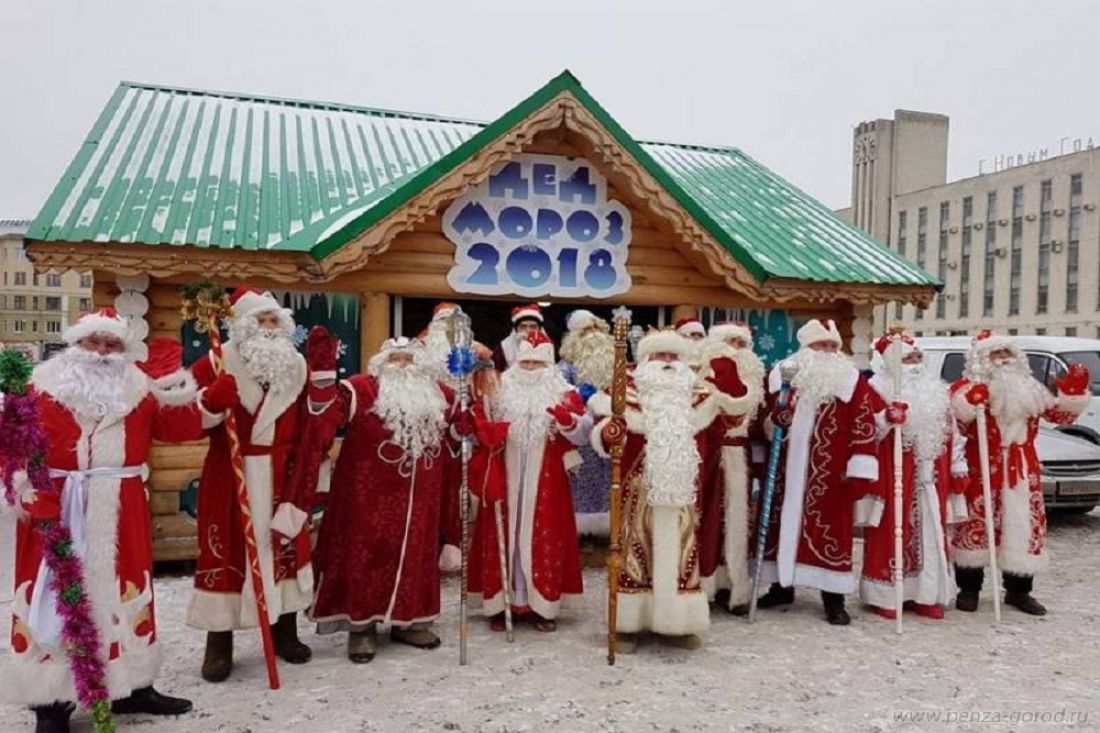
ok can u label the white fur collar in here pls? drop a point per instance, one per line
(252, 393)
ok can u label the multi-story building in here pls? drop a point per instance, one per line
(35, 307)
(1018, 249)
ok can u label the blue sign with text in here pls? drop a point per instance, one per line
(541, 225)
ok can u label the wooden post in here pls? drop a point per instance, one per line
(684, 311)
(374, 324)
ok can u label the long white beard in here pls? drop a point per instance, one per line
(268, 354)
(524, 398)
(592, 354)
(926, 425)
(93, 385)
(821, 375)
(671, 454)
(1014, 394)
(412, 408)
(436, 349)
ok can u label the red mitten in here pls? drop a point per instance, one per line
(614, 432)
(465, 423)
(322, 350)
(574, 402)
(562, 415)
(895, 412)
(221, 395)
(725, 377)
(45, 507)
(1075, 382)
(978, 395)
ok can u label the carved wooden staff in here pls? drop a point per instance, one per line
(618, 407)
(987, 506)
(206, 303)
(896, 332)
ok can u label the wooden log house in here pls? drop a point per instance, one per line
(553, 201)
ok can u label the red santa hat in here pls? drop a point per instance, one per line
(903, 340)
(529, 312)
(665, 340)
(443, 309)
(688, 327)
(536, 347)
(987, 341)
(105, 322)
(581, 319)
(248, 301)
(816, 331)
(729, 330)
(171, 383)
(395, 345)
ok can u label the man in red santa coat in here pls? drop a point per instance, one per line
(668, 418)
(378, 556)
(997, 377)
(526, 319)
(724, 529)
(828, 473)
(100, 413)
(934, 479)
(271, 405)
(547, 422)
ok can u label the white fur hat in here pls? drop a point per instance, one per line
(530, 311)
(815, 331)
(105, 321)
(579, 319)
(731, 330)
(664, 340)
(395, 345)
(690, 327)
(536, 347)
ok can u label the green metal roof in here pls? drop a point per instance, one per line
(178, 166)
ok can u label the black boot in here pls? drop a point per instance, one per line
(969, 581)
(1018, 594)
(722, 598)
(777, 595)
(217, 662)
(149, 701)
(834, 609)
(284, 633)
(741, 609)
(53, 718)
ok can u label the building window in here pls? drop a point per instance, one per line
(1017, 250)
(34, 302)
(53, 280)
(3, 301)
(86, 280)
(989, 276)
(941, 267)
(903, 236)
(53, 326)
(19, 302)
(1071, 330)
(1046, 196)
(20, 278)
(1012, 332)
(85, 305)
(53, 303)
(1040, 332)
(922, 247)
(1073, 242)
(36, 279)
(964, 261)
(19, 326)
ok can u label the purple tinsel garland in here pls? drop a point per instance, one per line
(23, 446)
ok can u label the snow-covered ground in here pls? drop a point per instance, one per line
(787, 672)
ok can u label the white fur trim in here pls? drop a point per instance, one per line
(665, 609)
(210, 611)
(815, 331)
(527, 312)
(1074, 404)
(579, 319)
(692, 327)
(321, 377)
(830, 581)
(176, 389)
(596, 438)
(288, 520)
(735, 473)
(24, 681)
(862, 466)
(868, 511)
(543, 353)
(725, 331)
(1016, 522)
(956, 509)
(253, 304)
(94, 323)
(964, 411)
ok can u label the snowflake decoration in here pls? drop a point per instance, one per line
(767, 342)
(342, 351)
(299, 335)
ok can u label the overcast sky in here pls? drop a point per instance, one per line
(784, 81)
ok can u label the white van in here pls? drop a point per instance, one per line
(1048, 356)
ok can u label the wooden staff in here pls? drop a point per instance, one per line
(618, 407)
(896, 332)
(206, 304)
(987, 504)
(505, 576)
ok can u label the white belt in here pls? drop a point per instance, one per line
(42, 617)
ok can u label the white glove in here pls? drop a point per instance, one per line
(450, 559)
(288, 521)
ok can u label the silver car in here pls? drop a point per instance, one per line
(1071, 471)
